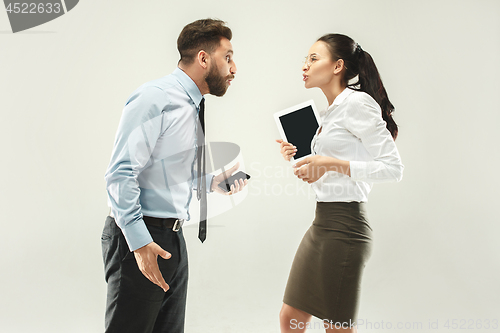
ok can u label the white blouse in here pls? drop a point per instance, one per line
(352, 129)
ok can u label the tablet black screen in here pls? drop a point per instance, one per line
(299, 127)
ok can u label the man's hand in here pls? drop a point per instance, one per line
(235, 188)
(146, 258)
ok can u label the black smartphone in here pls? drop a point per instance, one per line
(226, 184)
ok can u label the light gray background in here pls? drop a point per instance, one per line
(63, 86)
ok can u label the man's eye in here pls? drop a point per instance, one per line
(228, 58)
(313, 59)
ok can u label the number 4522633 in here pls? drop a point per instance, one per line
(34, 8)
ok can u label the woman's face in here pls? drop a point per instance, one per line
(318, 69)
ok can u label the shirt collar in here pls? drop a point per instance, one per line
(337, 101)
(340, 98)
(188, 84)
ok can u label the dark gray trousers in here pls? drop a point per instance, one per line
(135, 304)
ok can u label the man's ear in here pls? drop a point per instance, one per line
(339, 65)
(203, 59)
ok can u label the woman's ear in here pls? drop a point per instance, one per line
(339, 66)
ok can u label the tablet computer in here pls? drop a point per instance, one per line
(298, 125)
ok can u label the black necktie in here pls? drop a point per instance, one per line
(201, 169)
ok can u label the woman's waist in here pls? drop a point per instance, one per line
(336, 187)
(343, 215)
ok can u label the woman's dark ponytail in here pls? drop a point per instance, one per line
(360, 63)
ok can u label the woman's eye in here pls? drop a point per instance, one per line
(228, 58)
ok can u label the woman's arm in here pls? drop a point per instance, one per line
(364, 120)
(312, 168)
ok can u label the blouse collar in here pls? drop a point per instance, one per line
(337, 101)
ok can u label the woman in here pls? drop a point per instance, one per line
(353, 148)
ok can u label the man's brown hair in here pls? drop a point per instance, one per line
(201, 35)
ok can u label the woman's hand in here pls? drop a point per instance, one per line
(312, 168)
(287, 149)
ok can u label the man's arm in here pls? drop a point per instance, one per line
(138, 132)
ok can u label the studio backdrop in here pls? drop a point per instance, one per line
(64, 82)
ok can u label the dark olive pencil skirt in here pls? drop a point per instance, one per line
(325, 279)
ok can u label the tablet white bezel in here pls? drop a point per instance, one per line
(291, 109)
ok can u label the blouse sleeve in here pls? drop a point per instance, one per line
(365, 122)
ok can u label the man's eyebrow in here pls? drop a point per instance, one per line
(230, 51)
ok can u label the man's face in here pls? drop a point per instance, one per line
(222, 69)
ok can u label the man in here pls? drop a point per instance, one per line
(150, 180)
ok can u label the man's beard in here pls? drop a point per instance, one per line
(216, 83)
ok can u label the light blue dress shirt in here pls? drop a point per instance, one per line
(151, 171)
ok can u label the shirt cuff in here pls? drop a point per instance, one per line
(137, 235)
(358, 170)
